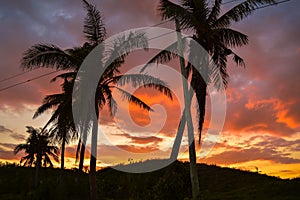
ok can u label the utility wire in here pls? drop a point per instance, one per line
(13, 76)
(20, 74)
(229, 2)
(273, 4)
(29, 80)
(158, 24)
(38, 77)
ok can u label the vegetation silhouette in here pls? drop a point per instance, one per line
(172, 182)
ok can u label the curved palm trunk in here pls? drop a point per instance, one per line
(93, 161)
(62, 164)
(77, 150)
(192, 151)
(82, 152)
(82, 149)
(37, 166)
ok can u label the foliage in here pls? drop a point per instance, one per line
(171, 182)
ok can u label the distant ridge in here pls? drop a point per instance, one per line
(171, 182)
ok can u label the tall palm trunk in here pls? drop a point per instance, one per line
(93, 160)
(192, 151)
(82, 149)
(37, 165)
(81, 157)
(62, 157)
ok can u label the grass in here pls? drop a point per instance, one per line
(172, 182)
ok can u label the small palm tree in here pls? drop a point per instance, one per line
(38, 150)
(212, 31)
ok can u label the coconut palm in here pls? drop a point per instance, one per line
(112, 56)
(212, 31)
(38, 150)
(62, 125)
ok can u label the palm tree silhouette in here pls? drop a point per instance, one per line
(38, 150)
(62, 125)
(214, 34)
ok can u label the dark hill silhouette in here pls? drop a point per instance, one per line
(171, 182)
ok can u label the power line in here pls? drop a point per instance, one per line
(229, 2)
(29, 80)
(13, 76)
(158, 24)
(273, 4)
(20, 74)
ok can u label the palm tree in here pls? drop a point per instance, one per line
(38, 150)
(63, 128)
(214, 34)
(112, 56)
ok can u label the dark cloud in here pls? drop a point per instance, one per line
(17, 136)
(8, 155)
(262, 147)
(7, 152)
(8, 146)
(11, 133)
(3, 129)
(252, 154)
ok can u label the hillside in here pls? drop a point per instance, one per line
(171, 182)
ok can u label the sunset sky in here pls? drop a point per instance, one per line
(262, 124)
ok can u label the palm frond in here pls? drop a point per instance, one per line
(172, 11)
(165, 55)
(231, 38)
(94, 28)
(144, 80)
(48, 56)
(49, 102)
(116, 53)
(112, 103)
(215, 11)
(133, 99)
(67, 75)
(20, 147)
(240, 11)
(199, 85)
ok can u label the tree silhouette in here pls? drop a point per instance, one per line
(212, 31)
(62, 125)
(38, 150)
